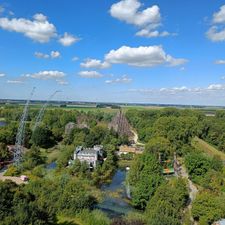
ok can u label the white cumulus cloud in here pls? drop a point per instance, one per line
(2, 75)
(39, 29)
(216, 87)
(219, 17)
(216, 32)
(75, 58)
(41, 55)
(211, 88)
(153, 33)
(94, 63)
(128, 11)
(52, 55)
(55, 54)
(122, 80)
(46, 75)
(148, 19)
(62, 82)
(220, 61)
(68, 39)
(15, 81)
(143, 56)
(90, 74)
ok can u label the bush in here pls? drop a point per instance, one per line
(32, 158)
(20, 207)
(74, 198)
(39, 171)
(120, 221)
(12, 171)
(95, 217)
(205, 171)
(166, 206)
(159, 145)
(197, 165)
(208, 208)
(144, 177)
(128, 156)
(43, 137)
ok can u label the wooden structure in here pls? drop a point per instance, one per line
(121, 125)
(125, 149)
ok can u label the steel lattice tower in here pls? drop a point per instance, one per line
(42, 110)
(21, 132)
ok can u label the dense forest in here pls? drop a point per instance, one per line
(73, 191)
(179, 126)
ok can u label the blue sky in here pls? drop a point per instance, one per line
(114, 51)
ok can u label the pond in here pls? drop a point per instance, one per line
(51, 166)
(115, 202)
(3, 123)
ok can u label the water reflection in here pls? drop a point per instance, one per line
(116, 203)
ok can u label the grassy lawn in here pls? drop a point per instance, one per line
(53, 155)
(207, 148)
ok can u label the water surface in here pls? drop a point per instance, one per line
(3, 123)
(51, 166)
(115, 203)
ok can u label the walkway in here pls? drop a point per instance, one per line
(14, 179)
(135, 138)
(192, 189)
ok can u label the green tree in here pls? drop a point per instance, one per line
(32, 158)
(74, 198)
(20, 207)
(43, 137)
(65, 155)
(197, 165)
(4, 153)
(208, 208)
(159, 145)
(144, 177)
(7, 191)
(166, 206)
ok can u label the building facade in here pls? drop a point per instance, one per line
(89, 155)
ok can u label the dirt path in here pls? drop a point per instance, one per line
(135, 139)
(14, 179)
(192, 190)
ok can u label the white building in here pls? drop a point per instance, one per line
(89, 155)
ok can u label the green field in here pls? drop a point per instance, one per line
(207, 148)
(92, 107)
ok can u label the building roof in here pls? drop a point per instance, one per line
(87, 151)
(95, 151)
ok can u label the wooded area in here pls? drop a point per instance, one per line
(72, 192)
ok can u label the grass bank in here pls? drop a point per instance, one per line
(207, 148)
(85, 217)
(124, 163)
